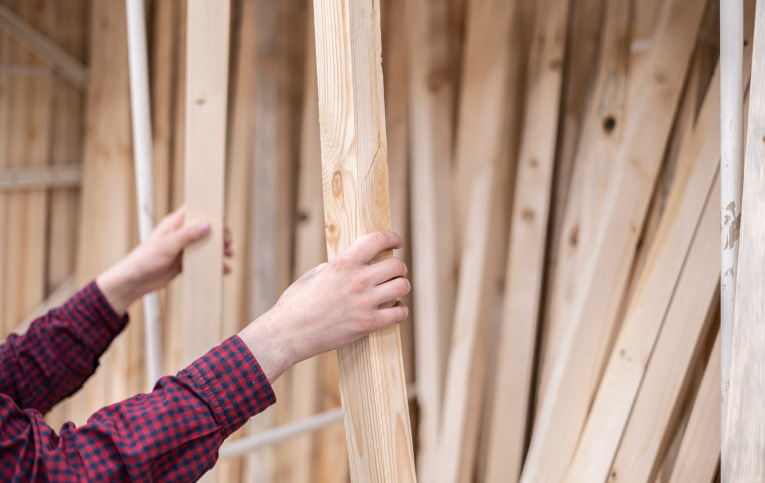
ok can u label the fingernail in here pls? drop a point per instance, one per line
(204, 227)
(406, 311)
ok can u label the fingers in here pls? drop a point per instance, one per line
(387, 269)
(391, 315)
(172, 221)
(366, 248)
(187, 235)
(227, 243)
(389, 291)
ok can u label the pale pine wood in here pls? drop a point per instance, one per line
(355, 175)
(40, 177)
(699, 454)
(239, 156)
(578, 365)
(685, 324)
(63, 63)
(731, 170)
(744, 438)
(528, 234)
(600, 134)
(206, 99)
(431, 102)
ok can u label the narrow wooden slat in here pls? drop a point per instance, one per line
(431, 102)
(699, 454)
(355, 175)
(731, 171)
(63, 63)
(206, 97)
(744, 438)
(578, 365)
(40, 177)
(526, 250)
(683, 330)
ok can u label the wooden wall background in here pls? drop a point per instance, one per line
(509, 126)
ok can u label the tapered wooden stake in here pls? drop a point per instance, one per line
(206, 92)
(144, 180)
(355, 177)
(744, 438)
(731, 170)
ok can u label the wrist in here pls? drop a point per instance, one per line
(120, 286)
(271, 347)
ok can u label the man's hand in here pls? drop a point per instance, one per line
(154, 263)
(331, 306)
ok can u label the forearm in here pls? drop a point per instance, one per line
(171, 434)
(59, 351)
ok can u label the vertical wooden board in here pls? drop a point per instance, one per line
(682, 333)
(528, 233)
(699, 454)
(107, 190)
(596, 150)
(355, 174)
(239, 154)
(573, 378)
(744, 438)
(30, 110)
(432, 79)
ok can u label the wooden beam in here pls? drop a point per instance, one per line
(744, 439)
(573, 379)
(731, 170)
(40, 177)
(699, 455)
(355, 176)
(528, 239)
(697, 168)
(206, 99)
(63, 63)
(431, 102)
(687, 321)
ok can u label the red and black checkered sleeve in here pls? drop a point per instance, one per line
(59, 351)
(171, 434)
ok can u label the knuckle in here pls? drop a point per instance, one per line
(380, 239)
(400, 266)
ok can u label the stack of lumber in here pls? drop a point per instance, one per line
(553, 166)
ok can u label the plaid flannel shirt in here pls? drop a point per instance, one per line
(171, 434)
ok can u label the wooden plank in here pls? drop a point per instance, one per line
(40, 177)
(355, 174)
(525, 259)
(206, 98)
(573, 378)
(63, 63)
(685, 324)
(731, 171)
(431, 103)
(744, 438)
(485, 237)
(699, 454)
(601, 132)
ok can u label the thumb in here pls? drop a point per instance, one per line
(187, 235)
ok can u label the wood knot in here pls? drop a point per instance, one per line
(609, 123)
(533, 162)
(331, 228)
(556, 64)
(527, 214)
(200, 101)
(302, 216)
(573, 238)
(660, 77)
(337, 183)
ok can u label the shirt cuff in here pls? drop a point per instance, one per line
(95, 322)
(233, 383)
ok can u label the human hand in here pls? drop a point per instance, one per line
(155, 262)
(331, 306)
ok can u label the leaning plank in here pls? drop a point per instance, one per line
(601, 132)
(64, 64)
(699, 454)
(206, 91)
(431, 102)
(682, 333)
(575, 373)
(731, 169)
(57, 297)
(528, 235)
(40, 177)
(355, 175)
(697, 167)
(744, 438)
